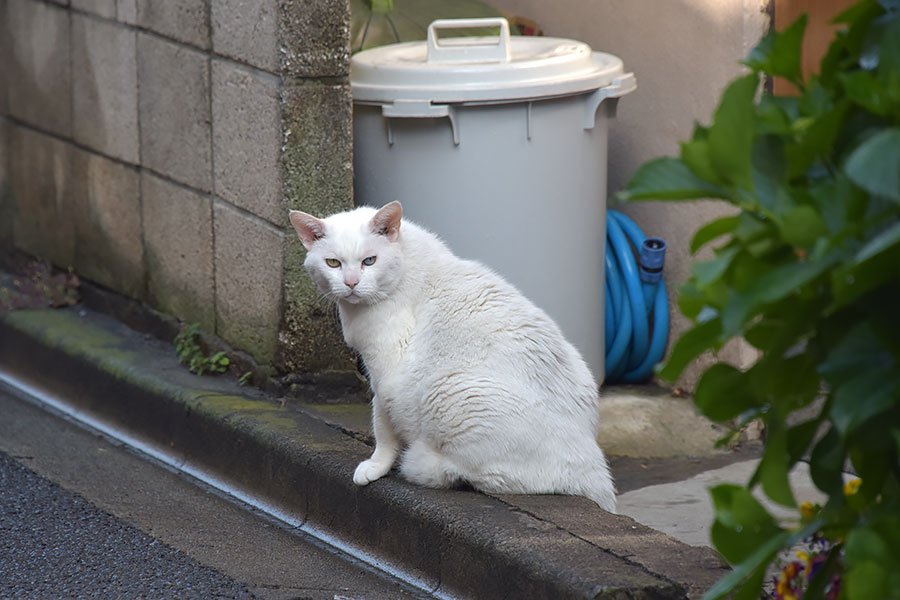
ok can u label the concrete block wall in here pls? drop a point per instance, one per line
(155, 147)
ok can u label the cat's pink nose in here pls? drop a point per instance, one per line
(351, 283)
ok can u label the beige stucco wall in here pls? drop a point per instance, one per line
(683, 53)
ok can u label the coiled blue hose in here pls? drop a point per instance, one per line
(637, 304)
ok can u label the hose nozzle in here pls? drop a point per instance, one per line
(652, 259)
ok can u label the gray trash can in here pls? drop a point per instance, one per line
(498, 145)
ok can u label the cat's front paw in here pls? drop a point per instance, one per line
(370, 470)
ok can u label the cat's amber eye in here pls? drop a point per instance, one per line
(369, 261)
(333, 262)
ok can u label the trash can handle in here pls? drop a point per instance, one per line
(419, 109)
(624, 84)
(469, 50)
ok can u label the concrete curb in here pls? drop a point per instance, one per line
(458, 543)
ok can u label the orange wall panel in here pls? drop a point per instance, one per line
(819, 32)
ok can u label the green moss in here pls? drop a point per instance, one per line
(79, 337)
(318, 179)
(318, 147)
(265, 414)
(62, 326)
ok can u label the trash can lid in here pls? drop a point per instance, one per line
(479, 69)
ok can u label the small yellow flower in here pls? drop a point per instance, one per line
(790, 571)
(807, 510)
(852, 486)
(805, 558)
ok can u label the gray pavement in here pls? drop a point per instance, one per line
(55, 544)
(81, 516)
(683, 509)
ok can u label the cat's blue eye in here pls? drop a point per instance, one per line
(369, 261)
(333, 262)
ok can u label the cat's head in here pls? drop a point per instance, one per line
(353, 256)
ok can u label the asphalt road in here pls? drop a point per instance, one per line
(82, 517)
(57, 544)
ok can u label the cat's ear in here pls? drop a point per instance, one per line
(308, 227)
(387, 221)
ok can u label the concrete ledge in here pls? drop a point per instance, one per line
(460, 543)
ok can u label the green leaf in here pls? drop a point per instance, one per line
(722, 393)
(763, 248)
(731, 134)
(800, 436)
(713, 230)
(708, 271)
(775, 285)
(864, 89)
(689, 346)
(803, 226)
(763, 334)
(873, 457)
(875, 164)
(869, 560)
(762, 556)
(838, 200)
(783, 326)
(668, 178)
(786, 382)
(774, 115)
(874, 265)
(747, 267)
(827, 462)
(815, 100)
(695, 154)
(816, 140)
(779, 53)
(895, 434)
(862, 398)
(858, 18)
(742, 525)
(866, 580)
(889, 59)
(775, 465)
(769, 173)
(884, 241)
(857, 350)
(752, 227)
(860, 12)
(691, 300)
(751, 588)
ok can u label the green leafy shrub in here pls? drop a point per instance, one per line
(191, 354)
(808, 272)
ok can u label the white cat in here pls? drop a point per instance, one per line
(472, 382)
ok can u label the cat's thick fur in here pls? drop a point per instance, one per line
(472, 381)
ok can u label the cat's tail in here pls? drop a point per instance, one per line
(603, 493)
(597, 483)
